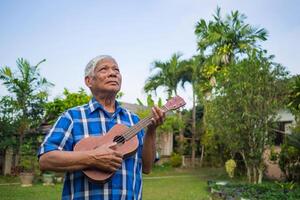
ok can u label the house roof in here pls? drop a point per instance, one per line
(133, 107)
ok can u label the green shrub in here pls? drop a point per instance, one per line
(176, 160)
(230, 166)
(289, 162)
(268, 191)
(273, 155)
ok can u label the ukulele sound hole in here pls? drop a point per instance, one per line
(119, 139)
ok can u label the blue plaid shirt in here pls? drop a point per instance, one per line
(92, 120)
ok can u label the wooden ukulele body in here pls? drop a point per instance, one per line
(127, 148)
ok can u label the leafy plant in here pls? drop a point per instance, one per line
(176, 160)
(273, 155)
(28, 161)
(61, 104)
(286, 187)
(28, 92)
(289, 162)
(230, 166)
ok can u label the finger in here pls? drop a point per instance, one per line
(110, 169)
(112, 145)
(155, 114)
(116, 159)
(118, 154)
(116, 165)
(153, 121)
(160, 115)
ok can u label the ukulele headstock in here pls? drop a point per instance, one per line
(174, 103)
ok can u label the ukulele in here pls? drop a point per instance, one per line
(123, 137)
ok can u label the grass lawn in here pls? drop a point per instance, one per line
(163, 183)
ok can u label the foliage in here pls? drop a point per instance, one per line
(167, 74)
(7, 124)
(176, 160)
(69, 100)
(288, 186)
(171, 123)
(224, 40)
(294, 96)
(273, 155)
(266, 191)
(28, 162)
(289, 162)
(230, 166)
(244, 109)
(28, 94)
(28, 90)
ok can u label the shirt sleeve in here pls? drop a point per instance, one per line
(59, 137)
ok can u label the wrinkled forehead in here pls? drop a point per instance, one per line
(107, 62)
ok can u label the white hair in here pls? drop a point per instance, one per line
(90, 67)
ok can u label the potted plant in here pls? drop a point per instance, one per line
(28, 164)
(48, 178)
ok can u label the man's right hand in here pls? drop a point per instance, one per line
(106, 158)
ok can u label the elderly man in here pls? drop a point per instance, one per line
(103, 77)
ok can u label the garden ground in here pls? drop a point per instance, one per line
(163, 183)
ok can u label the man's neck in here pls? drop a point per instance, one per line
(108, 102)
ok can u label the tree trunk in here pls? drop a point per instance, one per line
(8, 161)
(193, 143)
(181, 136)
(18, 156)
(254, 175)
(202, 156)
(260, 175)
(248, 168)
(249, 174)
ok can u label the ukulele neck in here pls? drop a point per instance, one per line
(132, 131)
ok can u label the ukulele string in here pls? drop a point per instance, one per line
(143, 123)
(140, 125)
(133, 129)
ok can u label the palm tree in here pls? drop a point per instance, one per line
(167, 75)
(226, 40)
(28, 90)
(193, 74)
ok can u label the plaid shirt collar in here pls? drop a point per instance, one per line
(95, 105)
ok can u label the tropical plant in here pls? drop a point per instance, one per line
(168, 75)
(223, 41)
(28, 90)
(192, 73)
(227, 39)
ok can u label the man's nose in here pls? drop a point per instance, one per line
(112, 72)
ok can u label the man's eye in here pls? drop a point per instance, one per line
(102, 70)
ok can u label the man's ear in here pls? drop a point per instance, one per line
(88, 81)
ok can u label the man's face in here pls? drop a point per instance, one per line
(106, 79)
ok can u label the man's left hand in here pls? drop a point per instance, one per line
(158, 117)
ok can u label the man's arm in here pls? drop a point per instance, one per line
(149, 147)
(103, 158)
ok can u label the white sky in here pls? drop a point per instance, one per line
(68, 33)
